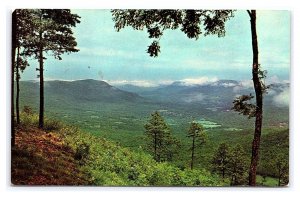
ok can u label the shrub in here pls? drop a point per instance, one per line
(111, 165)
(82, 153)
(52, 125)
(29, 120)
(28, 110)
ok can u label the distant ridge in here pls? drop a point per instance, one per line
(84, 90)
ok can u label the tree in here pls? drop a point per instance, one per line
(19, 29)
(199, 138)
(237, 165)
(52, 34)
(220, 161)
(13, 54)
(159, 137)
(171, 147)
(195, 23)
(22, 31)
(281, 165)
(21, 64)
(254, 110)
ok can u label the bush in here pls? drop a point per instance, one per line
(52, 125)
(82, 153)
(29, 120)
(108, 164)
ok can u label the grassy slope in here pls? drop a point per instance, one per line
(41, 158)
(47, 158)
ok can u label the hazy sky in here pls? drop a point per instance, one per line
(120, 57)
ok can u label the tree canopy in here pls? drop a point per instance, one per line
(193, 23)
(52, 31)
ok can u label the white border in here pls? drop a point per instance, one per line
(8, 5)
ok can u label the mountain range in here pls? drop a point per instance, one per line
(92, 104)
(214, 94)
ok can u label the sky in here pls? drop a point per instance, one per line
(120, 57)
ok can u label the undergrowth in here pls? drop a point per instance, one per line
(106, 163)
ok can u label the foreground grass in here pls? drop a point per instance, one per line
(41, 158)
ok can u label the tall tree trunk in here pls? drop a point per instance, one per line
(18, 86)
(259, 102)
(193, 152)
(13, 53)
(41, 69)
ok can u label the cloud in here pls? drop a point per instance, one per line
(198, 81)
(155, 83)
(225, 84)
(275, 79)
(245, 84)
(271, 92)
(141, 83)
(282, 99)
(194, 98)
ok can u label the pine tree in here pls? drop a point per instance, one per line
(199, 138)
(237, 165)
(52, 34)
(220, 162)
(22, 30)
(281, 165)
(21, 24)
(171, 147)
(160, 140)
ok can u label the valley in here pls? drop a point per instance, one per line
(120, 116)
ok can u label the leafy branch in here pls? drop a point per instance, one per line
(242, 105)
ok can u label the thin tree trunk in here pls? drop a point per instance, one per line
(193, 152)
(41, 69)
(223, 174)
(13, 53)
(155, 146)
(41, 114)
(279, 178)
(259, 102)
(18, 86)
